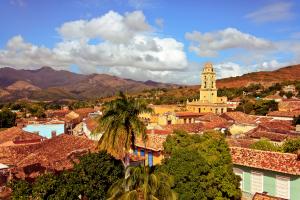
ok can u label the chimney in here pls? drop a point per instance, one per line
(53, 134)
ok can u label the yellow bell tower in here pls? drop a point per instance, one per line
(208, 100)
(208, 90)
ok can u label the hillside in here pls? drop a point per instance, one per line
(49, 84)
(290, 73)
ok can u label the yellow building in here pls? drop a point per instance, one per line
(209, 100)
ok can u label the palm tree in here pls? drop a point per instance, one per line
(120, 125)
(143, 184)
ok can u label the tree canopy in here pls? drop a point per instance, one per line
(7, 118)
(265, 145)
(121, 124)
(143, 183)
(91, 178)
(201, 166)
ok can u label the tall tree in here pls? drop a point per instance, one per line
(201, 166)
(120, 124)
(143, 184)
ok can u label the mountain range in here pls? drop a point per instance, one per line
(49, 84)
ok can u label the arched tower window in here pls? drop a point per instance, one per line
(205, 84)
(212, 84)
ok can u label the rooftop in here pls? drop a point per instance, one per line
(274, 161)
(239, 117)
(17, 134)
(284, 113)
(260, 196)
(154, 141)
(54, 153)
(187, 114)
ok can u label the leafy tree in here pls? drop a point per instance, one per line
(262, 107)
(201, 166)
(291, 146)
(21, 190)
(7, 118)
(143, 183)
(36, 110)
(90, 178)
(265, 145)
(246, 107)
(121, 124)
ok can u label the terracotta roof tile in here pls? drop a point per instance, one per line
(16, 133)
(259, 196)
(274, 161)
(154, 141)
(187, 114)
(54, 153)
(283, 113)
(239, 117)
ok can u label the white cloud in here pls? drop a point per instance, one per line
(112, 27)
(279, 11)
(125, 41)
(208, 44)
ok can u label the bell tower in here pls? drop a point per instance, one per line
(208, 90)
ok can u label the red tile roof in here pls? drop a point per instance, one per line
(274, 161)
(17, 134)
(153, 142)
(56, 113)
(284, 113)
(277, 137)
(187, 114)
(54, 153)
(239, 117)
(83, 112)
(259, 196)
(12, 154)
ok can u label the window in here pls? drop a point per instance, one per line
(199, 109)
(283, 187)
(142, 152)
(184, 121)
(212, 84)
(135, 151)
(222, 110)
(256, 182)
(205, 84)
(240, 173)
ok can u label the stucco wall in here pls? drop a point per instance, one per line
(269, 181)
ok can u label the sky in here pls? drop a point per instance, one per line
(165, 41)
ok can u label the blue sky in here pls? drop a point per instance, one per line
(150, 39)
